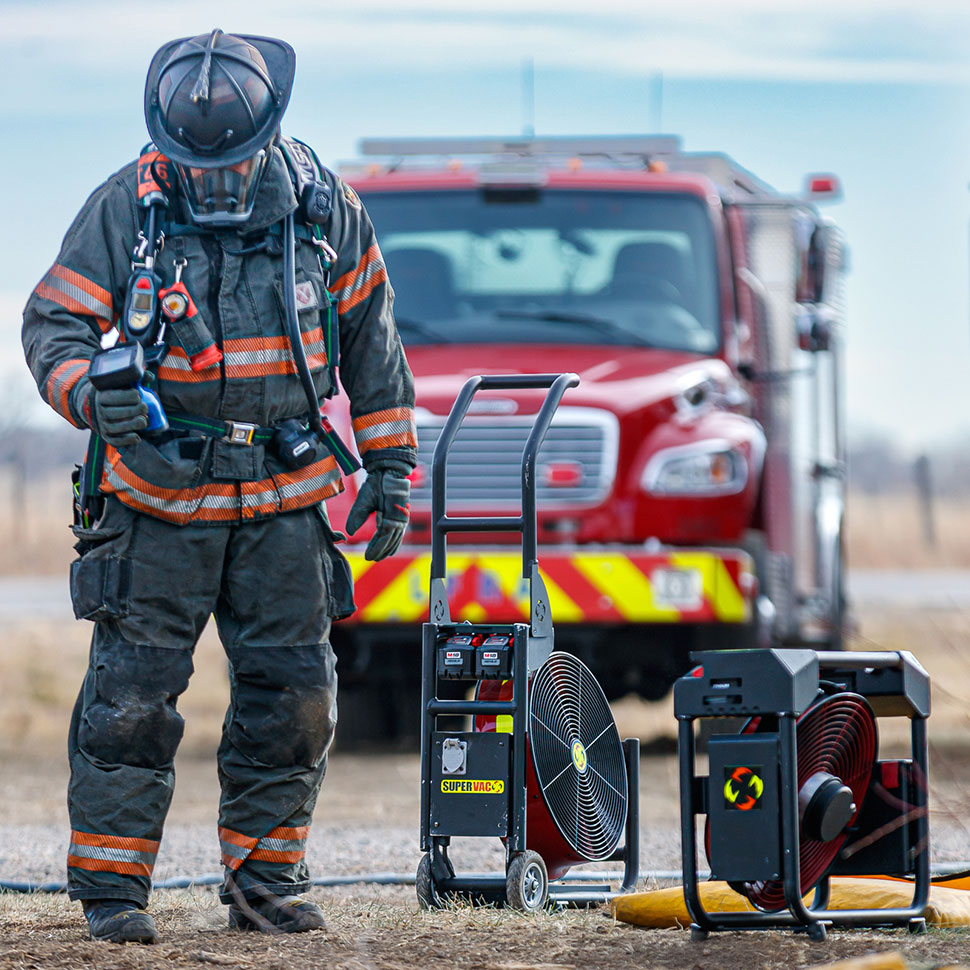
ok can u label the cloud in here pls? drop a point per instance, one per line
(853, 40)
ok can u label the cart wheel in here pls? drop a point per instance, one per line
(527, 882)
(424, 885)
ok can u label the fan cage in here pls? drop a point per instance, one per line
(584, 785)
(836, 735)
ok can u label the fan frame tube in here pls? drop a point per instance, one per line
(817, 915)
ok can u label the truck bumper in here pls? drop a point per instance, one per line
(600, 585)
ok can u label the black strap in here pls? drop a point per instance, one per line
(217, 428)
(89, 500)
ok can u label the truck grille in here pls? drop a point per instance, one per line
(484, 465)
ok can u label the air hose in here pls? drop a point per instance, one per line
(939, 870)
(293, 324)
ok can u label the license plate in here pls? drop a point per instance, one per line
(682, 589)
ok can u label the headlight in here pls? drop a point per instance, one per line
(709, 468)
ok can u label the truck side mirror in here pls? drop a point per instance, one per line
(812, 252)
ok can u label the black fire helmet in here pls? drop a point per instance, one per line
(217, 99)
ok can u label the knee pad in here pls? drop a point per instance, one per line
(284, 704)
(128, 714)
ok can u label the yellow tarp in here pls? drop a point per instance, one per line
(665, 908)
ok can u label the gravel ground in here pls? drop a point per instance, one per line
(367, 819)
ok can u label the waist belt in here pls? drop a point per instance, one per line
(235, 432)
(246, 433)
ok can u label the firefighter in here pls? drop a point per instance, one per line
(223, 512)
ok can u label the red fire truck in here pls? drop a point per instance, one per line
(690, 490)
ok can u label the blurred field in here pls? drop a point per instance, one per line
(882, 531)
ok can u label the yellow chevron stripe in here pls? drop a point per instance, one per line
(613, 575)
(404, 598)
(719, 589)
(628, 588)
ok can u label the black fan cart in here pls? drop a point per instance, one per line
(800, 794)
(488, 781)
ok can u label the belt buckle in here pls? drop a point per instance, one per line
(239, 432)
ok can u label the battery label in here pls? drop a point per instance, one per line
(490, 658)
(450, 786)
(453, 657)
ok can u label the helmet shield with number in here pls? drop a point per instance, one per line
(213, 105)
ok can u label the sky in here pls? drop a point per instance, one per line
(877, 92)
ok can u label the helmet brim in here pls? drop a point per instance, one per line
(280, 61)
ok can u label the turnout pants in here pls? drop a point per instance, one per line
(151, 587)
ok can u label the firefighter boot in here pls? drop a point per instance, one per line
(277, 914)
(119, 921)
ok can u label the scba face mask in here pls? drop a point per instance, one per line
(222, 196)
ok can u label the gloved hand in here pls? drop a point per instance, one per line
(386, 491)
(116, 415)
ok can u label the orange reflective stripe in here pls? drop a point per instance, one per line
(114, 841)
(98, 852)
(236, 838)
(175, 366)
(284, 833)
(357, 284)
(391, 428)
(220, 501)
(77, 294)
(247, 358)
(110, 865)
(98, 293)
(270, 855)
(61, 382)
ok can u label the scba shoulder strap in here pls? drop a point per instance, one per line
(313, 191)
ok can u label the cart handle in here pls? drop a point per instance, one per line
(442, 523)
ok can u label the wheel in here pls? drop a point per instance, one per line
(527, 882)
(424, 884)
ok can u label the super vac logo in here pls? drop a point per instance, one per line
(454, 786)
(743, 787)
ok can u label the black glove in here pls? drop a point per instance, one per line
(116, 415)
(386, 491)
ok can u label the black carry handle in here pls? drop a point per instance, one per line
(442, 523)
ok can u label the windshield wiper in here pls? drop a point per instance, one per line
(584, 319)
(421, 329)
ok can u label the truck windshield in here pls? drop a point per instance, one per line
(550, 266)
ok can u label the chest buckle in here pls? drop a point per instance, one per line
(240, 432)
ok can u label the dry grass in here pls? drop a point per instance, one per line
(385, 930)
(886, 532)
(35, 535)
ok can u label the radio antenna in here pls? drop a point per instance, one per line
(528, 97)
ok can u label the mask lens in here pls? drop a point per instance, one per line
(222, 196)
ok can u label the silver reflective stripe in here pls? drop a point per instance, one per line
(296, 489)
(176, 506)
(374, 266)
(89, 302)
(111, 855)
(384, 429)
(282, 845)
(240, 358)
(236, 851)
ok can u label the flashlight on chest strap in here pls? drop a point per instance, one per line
(186, 327)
